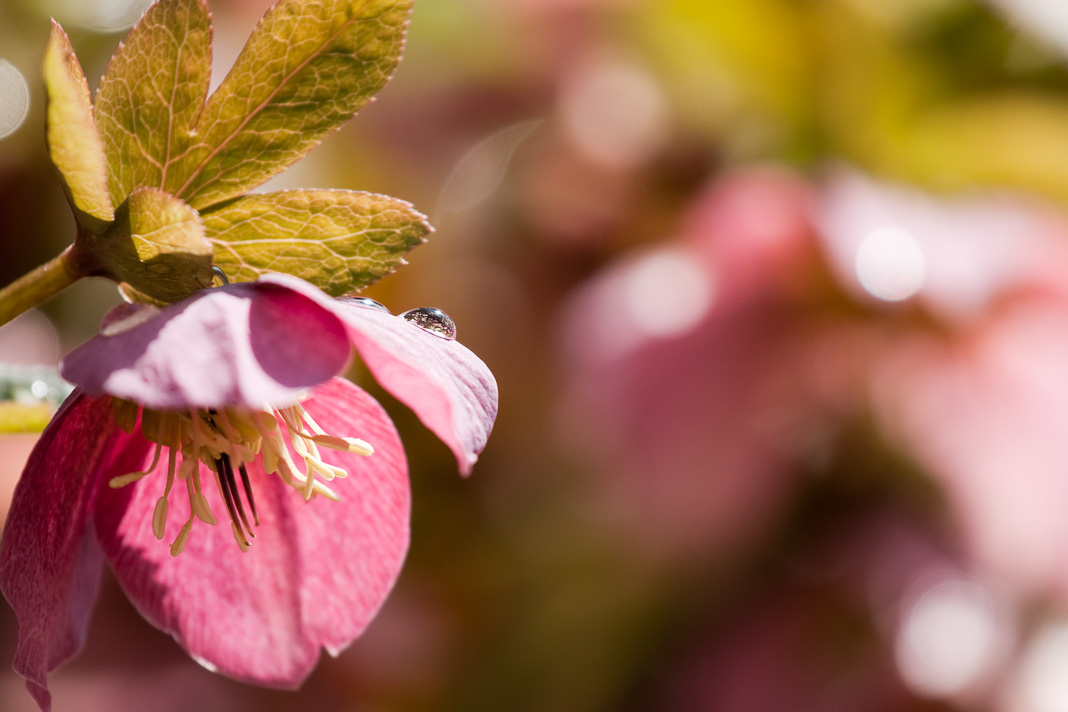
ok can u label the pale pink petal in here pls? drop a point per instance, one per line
(987, 418)
(316, 572)
(448, 387)
(957, 256)
(49, 559)
(243, 344)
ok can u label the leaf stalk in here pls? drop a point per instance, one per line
(34, 287)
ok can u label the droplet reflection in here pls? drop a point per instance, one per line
(890, 264)
(14, 98)
(433, 320)
(366, 302)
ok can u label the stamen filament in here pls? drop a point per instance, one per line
(123, 480)
(225, 440)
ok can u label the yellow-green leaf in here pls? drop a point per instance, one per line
(157, 246)
(150, 95)
(24, 418)
(1024, 136)
(307, 68)
(73, 141)
(338, 240)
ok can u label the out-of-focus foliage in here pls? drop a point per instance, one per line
(829, 534)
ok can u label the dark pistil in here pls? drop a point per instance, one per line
(231, 484)
(248, 493)
(221, 465)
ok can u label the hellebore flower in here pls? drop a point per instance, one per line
(179, 418)
(730, 364)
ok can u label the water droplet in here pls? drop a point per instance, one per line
(433, 320)
(364, 302)
(219, 277)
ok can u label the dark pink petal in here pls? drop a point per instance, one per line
(315, 575)
(49, 559)
(687, 365)
(448, 387)
(693, 429)
(243, 344)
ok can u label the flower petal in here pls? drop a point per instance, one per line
(684, 365)
(243, 344)
(49, 559)
(316, 572)
(986, 417)
(451, 390)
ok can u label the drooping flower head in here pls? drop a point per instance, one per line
(227, 407)
(219, 423)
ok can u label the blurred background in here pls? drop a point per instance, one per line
(776, 293)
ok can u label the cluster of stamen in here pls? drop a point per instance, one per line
(225, 440)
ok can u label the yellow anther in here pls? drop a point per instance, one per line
(353, 445)
(159, 517)
(183, 536)
(225, 441)
(123, 480)
(199, 504)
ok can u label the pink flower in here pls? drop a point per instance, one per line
(724, 367)
(686, 368)
(186, 412)
(980, 400)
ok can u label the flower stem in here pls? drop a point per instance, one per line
(34, 287)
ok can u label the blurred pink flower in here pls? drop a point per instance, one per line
(687, 358)
(209, 391)
(819, 634)
(978, 395)
(719, 369)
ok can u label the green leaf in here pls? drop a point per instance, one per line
(150, 95)
(338, 240)
(73, 141)
(157, 246)
(306, 69)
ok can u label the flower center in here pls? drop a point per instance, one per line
(224, 440)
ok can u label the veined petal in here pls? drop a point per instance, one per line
(240, 345)
(314, 576)
(49, 559)
(451, 390)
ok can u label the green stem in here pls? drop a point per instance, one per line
(34, 287)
